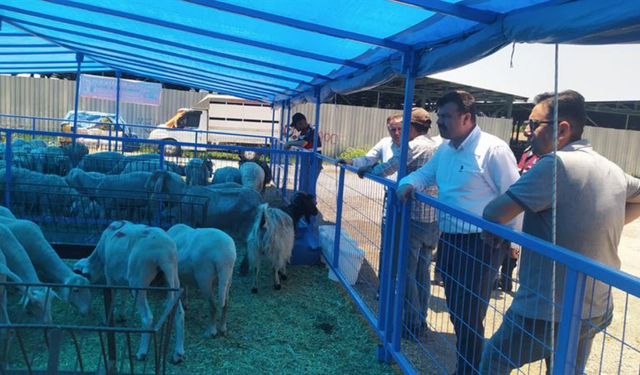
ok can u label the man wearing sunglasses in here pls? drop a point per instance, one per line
(470, 170)
(595, 199)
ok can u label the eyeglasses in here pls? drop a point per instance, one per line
(533, 124)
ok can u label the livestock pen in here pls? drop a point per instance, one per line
(286, 55)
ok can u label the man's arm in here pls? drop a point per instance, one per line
(503, 168)
(371, 157)
(421, 179)
(298, 143)
(632, 209)
(502, 210)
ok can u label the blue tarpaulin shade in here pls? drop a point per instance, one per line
(283, 49)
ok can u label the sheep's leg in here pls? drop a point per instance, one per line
(254, 264)
(171, 276)
(147, 320)
(283, 273)
(276, 276)
(206, 289)
(224, 285)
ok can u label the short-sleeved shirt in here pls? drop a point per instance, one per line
(420, 150)
(381, 152)
(591, 197)
(308, 136)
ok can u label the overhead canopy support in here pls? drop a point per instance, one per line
(456, 10)
(314, 27)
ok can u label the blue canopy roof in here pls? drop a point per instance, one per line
(282, 49)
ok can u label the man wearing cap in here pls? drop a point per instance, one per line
(590, 225)
(423, 234)
(307, 134)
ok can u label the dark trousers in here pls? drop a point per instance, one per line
(469, 268)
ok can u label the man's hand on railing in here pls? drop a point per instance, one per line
(404, 192)
(491, 239)
(363, 170)
(345, 161)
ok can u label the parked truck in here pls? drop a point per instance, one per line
(220, 120)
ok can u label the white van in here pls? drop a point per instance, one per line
(220, 120)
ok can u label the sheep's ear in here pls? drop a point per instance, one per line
(159, 183)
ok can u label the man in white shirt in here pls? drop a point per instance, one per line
(470, 169)
(382, 151)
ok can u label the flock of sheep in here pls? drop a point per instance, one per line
(198, 251)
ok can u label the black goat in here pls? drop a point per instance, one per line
(302, 205)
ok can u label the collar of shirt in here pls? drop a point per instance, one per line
(577, 145)
(472, 138)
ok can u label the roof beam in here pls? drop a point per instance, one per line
(455, 10)
(298, 24)
(90, 51)
(66, 43)
(160, 41)
(69, 44)
(190, 75)
(208, 33)
(30, 53)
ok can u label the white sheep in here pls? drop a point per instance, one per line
(84, 182)
(36, 298)
(272, 236)
(252, 176)
(101, 162)
(227, 174)
(204, 256)
(48, 265)
(133, 255)
(198, 171)
(124, 196)
(5, 273)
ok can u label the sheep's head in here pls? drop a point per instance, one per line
(89, 269)
(77, 295)
(37, 301)
(305, 204)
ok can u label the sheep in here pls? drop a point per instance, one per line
(101, 162)
(48, 264)
(36, 298)
(43, 194)
(205, 255)
(230, 208)
(85, 183)
(198, 172)
(302, 205)
(75, 153)
(265, 168)
(272, 236)
(124, 195)
(38, 143)
(143, 163)
(49, 160)
(134, 255)
(5, 273)
(252, 176)
(227, 174)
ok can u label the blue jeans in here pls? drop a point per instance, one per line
(521, 340)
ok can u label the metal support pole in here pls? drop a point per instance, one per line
(566, 351)
(195, 150)
(315, 161)
(336, 239)
(118, 75)
(394, 321)
(279, 155)
(33, 128)
(7, 173)
(79, 58)
(272, 140)
(286, 157)
(387, 283)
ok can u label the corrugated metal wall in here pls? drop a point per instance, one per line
(341, 126)
(620, 146)
(54, 98)
(344, 126)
